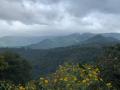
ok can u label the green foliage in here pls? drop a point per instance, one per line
(3, 64)
(110, 65)
(42, 60)
(74, 77)
(67, 77)
(14, 68)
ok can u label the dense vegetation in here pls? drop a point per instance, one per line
(42, 60)
(67, 77)
(102, 75)
(14, 68)
(110, 65)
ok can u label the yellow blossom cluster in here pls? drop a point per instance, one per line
(67, 77)
(74, 77)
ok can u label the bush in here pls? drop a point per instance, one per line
(14, 68)
(110, 65)
(74, 77)
(67, 77)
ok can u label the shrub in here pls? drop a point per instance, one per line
(74, 77)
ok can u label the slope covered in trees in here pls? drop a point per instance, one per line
(47, 61)
(102, 75)
(110, 65)
(14, 68)
(75, 39)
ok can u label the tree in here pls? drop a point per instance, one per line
(14, 68)
(110, 65)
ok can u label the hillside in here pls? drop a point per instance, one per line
(62, 41)
(114, 35)
(77, 39)
(99, 40)
(46, 42)
(19, 41)
(47, 61)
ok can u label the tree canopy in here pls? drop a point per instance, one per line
(14, 68)
(110, 65)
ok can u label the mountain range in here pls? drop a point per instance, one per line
(48, 42)
(19, 41)
(86, 39)
(50, 52)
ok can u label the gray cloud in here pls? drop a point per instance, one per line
(27, 12)
(59, 16)
(41, 11)
(82, 7)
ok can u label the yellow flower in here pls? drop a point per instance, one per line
(74, 78)
(87, 79)
(97, 69)
(84, 81)
(89, 68)
(65, 79)
(109, 85)
(83, 70)
(94, 73)
(96, 79)
(21, 88)
(61, 79)
(46, 81)
(90, 75)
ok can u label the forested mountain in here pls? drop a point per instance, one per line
(99, 40)
(19, 41)
(75, 48)
(14, 68)
(62, 41)
(85, 51)
(47, 61)
(114, 35)
(59, 45)
(46, 42)
(76, 39)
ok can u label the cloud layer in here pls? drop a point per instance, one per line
(53, 17)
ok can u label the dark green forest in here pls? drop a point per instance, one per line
(47, 61)
(20, 65)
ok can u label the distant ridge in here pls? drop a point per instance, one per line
(62, 41)
(48, 42)
(19, 41)
(85, 39)
(100, 40)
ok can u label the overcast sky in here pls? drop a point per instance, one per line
(54, 17)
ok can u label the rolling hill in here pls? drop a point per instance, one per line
(47, 42)
(19, 41)
(99, 40)
(86, 39)
(114, 35)
(47, 60)
(62, 41)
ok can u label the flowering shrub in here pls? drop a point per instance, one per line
(75, 77)
(67, 77)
